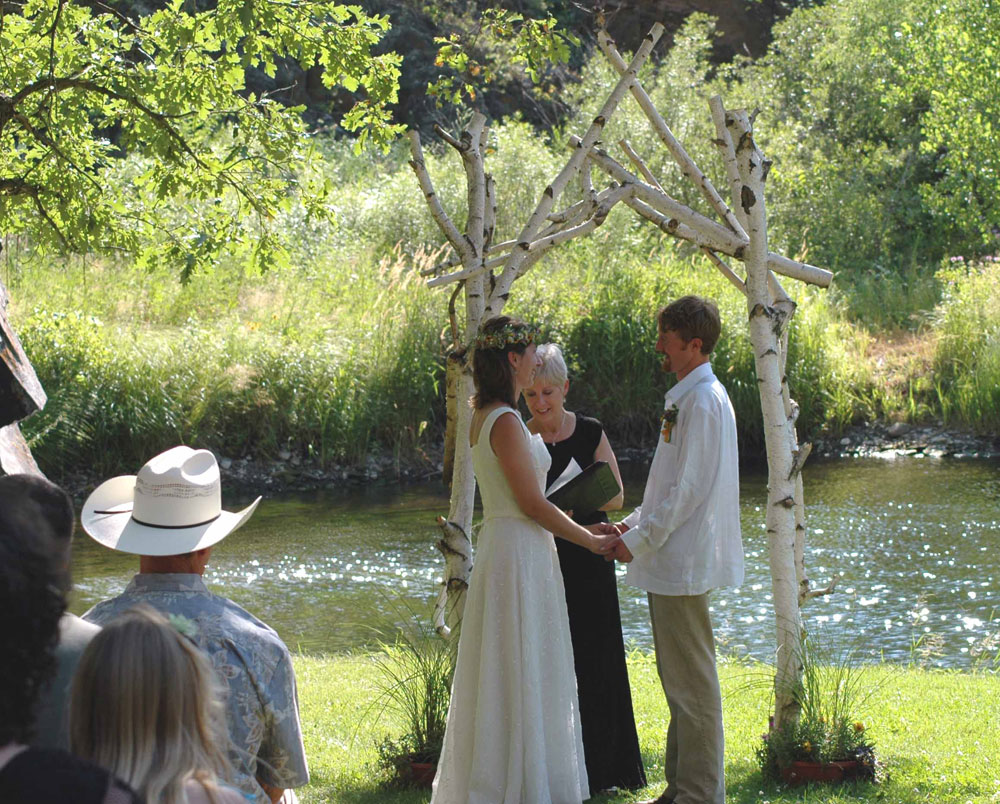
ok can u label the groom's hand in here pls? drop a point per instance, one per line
(616, 550)
(622, 553)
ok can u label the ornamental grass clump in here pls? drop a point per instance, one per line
(831, 697)
(413, 675)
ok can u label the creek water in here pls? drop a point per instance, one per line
(915, 541)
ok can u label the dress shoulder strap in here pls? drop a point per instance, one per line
(490, 420)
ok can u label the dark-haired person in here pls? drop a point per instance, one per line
(610, 741)
(513, 732)
(32, 601)
(51, 727)
(685, 541)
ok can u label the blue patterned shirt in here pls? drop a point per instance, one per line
(262, 707)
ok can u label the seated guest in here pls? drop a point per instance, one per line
(145, 705)
(56, 511)
(171, 516)
(32, 602)
(610, 742)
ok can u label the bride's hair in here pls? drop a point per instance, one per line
(146, 705)
(492, 372)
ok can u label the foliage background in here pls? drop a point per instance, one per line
(334, 353)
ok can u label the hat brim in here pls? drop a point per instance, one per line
(118, 531)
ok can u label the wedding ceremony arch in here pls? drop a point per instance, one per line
(487, 271)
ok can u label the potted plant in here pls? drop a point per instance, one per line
(413, 679)
(829, 742)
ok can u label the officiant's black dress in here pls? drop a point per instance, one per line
(610, 742)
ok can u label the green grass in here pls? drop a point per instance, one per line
(935, 730)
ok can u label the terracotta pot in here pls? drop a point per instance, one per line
(422, 773)
(851, 767)
(801, 772)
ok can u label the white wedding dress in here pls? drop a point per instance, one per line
(513, 734)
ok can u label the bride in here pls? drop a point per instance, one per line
(513, 733)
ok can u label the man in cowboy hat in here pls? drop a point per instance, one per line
(171, 516)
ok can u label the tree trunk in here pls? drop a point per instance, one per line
(452, 374)
(21, 394)
(456, 545)
(15, 456)
(765, 335)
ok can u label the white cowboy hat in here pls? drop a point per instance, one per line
(173, 506)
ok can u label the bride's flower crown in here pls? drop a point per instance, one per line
(508, 335)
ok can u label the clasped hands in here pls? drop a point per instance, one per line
(608, 541)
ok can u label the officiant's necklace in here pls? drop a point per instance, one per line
(553, 437)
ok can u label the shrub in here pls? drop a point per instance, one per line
(967, 359)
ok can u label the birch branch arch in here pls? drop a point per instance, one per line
(736, 230)
(487, 273)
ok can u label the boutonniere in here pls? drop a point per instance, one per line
(667, 422)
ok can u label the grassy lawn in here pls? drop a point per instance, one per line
(937, 731)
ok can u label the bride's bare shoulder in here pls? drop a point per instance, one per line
(479, 416)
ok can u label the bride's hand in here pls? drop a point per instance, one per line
(604, 537)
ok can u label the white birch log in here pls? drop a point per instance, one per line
(456, 547)
(728, 153)
(513, 268)
(453, 367)
(671, 226)
(710, 234)
(470, 247)
(455, 237)
(554, 235)
(785, 309)
(764, 335)
(475, 179)
(491, 212)
(596, 219)
(726, 271)
(661, 201)
(684, 162)
(560, 222)
(640, 165)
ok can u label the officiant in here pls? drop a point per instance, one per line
(610, 743)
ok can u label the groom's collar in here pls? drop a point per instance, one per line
(695, 376)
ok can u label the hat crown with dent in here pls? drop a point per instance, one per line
(178, 488)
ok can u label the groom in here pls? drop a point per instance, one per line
(685, 541)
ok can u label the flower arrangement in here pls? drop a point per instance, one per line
(519, 334)
(829, 730)
(667, 422)
(819, 740)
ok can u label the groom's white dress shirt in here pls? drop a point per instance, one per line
(685, 536)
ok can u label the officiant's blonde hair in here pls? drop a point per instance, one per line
(553, 370)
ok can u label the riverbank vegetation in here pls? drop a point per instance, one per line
(336, 352)
(933, 730)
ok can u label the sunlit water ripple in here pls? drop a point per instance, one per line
(915, 541)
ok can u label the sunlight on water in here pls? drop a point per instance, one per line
(915, 543)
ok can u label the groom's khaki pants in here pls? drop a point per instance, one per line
(685, 659)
